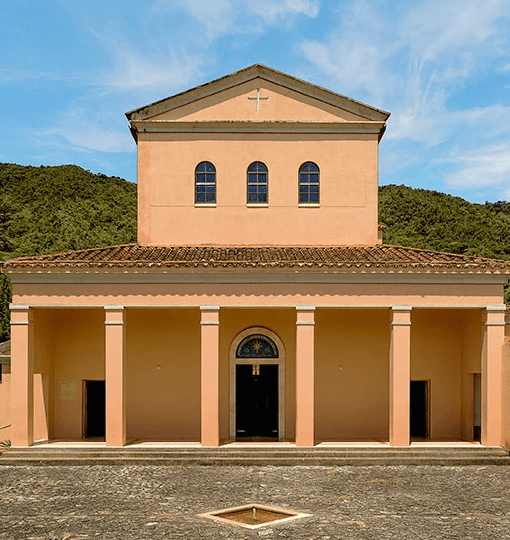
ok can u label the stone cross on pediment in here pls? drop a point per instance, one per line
(258, 99)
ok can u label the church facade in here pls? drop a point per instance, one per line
(259, 303)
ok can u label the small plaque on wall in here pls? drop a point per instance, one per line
(67, 390)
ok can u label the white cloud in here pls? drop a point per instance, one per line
(78, 131)
(415, 59)
(217, 16)
(135, 71)
(484, 167)
(273, 11)
(14, 75)
(222, 17)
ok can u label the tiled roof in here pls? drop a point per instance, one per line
(347, 257)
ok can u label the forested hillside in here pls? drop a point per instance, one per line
(431, 220)
(53, 209)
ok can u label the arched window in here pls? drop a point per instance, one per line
(205, 183)
(257, 346)
(309, 183)
(257, 183)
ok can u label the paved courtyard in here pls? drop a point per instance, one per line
(128, 503)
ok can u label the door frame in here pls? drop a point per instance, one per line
(280, 361)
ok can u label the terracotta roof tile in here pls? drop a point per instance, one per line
(347, 257)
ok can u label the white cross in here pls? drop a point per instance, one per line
(258, 99)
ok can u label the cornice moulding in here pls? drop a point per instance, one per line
(169, 126)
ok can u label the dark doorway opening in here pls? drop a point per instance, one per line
(94, 409)
(419, 413)
(256, 402)
(477, 407)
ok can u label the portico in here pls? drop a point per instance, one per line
(344, 369)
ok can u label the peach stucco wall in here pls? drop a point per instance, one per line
(348, 197)
(79, 346)
(351, 374)
(163, 403)
(446, 350)
(472, 340)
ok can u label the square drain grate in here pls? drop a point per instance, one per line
(253, 516)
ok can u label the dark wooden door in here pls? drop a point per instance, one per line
(257, 401)
(95, 409)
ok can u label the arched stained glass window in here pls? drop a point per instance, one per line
(205, 183)
(309, 183)
(257, 183)
(257, 346)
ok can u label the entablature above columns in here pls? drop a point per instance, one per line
(257, 276)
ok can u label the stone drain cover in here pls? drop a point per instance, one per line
(253, 516)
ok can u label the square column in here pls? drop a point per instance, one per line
(22, 376)
(400, 375)
(210, 380)
(492, 373)
(305, 378)
(115, 360)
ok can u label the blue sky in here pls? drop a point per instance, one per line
(70, 69)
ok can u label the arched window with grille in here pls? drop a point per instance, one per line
(205, 183)
(309, 183)
(257, 183)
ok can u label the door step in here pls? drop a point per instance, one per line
(253, 456)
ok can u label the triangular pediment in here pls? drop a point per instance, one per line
(258, 94)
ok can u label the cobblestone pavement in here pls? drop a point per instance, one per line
(128, 503)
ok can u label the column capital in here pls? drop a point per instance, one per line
(114, 315)
(495, 315)
(401, 315)
(21, 314)
(114, 307)
(209, 315)
(19, 307)
(401, 309)
(305, 315)
(496, 307)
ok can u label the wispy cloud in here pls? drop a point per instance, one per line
(222, 17)
(20, 75)
(133, 70)
(77, 130)
(484, 167)
(274, 11)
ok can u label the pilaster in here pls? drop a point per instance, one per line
(492, 371)
(22, 375)
(210, 366)
(305, 378)
(400, 375)
(115, 359)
